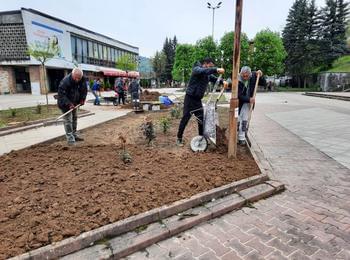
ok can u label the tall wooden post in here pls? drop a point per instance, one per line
(233, 114)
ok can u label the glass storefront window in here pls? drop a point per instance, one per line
(79, 50)
(90, 50)
(105, 57)
(85, 51)
(95, 50)
(100, 52)
(74, 47)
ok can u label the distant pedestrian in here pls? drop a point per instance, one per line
(119, 88)
(71, 92)
(134, 90)
(96, 91)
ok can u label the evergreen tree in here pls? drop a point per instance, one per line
(332, 32)
(300, 39)
(169, 48)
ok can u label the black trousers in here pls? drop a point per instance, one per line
(121, 98)
(195, 105)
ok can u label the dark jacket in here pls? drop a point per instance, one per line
(71, 92)
(245, 93)
(134, 87)
(199, 81)
(119, 86)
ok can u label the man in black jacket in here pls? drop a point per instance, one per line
(71, 92)
(246, 87)
(201, 75)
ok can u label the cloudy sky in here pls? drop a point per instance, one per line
(146, 23)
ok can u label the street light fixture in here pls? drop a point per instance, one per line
(213, 8)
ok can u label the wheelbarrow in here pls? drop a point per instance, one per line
(200, 143)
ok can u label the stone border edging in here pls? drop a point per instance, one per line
(131, 242)
(73, 244)
(35, 124)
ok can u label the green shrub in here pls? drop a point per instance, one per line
(164, 123)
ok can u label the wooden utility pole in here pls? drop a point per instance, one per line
(233, 114)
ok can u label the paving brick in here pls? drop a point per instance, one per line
(301, 235)
(232, 255)
(208, 256)
(283, 236)
(254, 255)
(322, 255)
(276, 255)
(299, 255)
(344, 254)
(260, 247)
(298, 243)
(262, 236)
(241, 235)
(284, 248)
(257, 192)
(218, 248)
(238, 247)
(335, 223)
(194, 246)
(185, 256)
(345, 235)
(211, 229)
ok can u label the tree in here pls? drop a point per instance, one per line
(169, 48)
(298, 39)
(333, 31)
(206, 47)
(269, 53)
(43, 52)
(126, 62)
(184, 59)
(158, 64)
(226, 49)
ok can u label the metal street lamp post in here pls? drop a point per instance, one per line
(213, 8)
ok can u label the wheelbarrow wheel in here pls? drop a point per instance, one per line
(115, 102)
(199, 143)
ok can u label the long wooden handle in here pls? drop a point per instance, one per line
(254, 94)
(70, 110)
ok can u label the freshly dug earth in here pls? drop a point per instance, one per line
(50, 192)
(150, 95)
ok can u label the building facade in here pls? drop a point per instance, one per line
(94, 53)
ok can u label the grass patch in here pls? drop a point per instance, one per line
(341, 65)
(289, 89)
(14, 116)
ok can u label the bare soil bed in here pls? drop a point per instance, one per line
(50, 192)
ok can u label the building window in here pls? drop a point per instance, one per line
(79, 50)
(100, 52)
(95, 50)
(85, 51)
(105, 53)
(90, 50)
(74, 47)
(112, 55)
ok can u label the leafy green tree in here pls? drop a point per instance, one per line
(206, 47)
(226, 49)
(126, 62)
(184, 60)
(42, 53)
(269, 53)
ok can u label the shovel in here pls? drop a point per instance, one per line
(61, 116)
(251, 110)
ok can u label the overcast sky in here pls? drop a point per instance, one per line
(146, 23)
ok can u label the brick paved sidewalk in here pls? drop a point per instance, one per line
(311, 220)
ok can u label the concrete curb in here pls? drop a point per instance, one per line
(132, 242)
(311, 94)
(39, 123)
(84, 240)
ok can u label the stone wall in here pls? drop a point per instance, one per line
(7, 80)
(330, 81)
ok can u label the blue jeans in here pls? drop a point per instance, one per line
(70, 125)
(97, 100)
